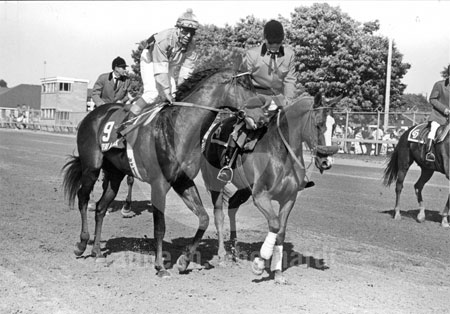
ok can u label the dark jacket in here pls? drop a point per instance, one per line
(439, 99)
(103, 91)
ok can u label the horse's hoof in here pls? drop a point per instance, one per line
(79, 250)
(258, 266)
(280, 279)
(163, 274)
(182, 263)
(420, 219)
(445, 225)
(100, 260)
(397, 217)
(127, 213)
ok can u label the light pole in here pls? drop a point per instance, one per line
(388, 86)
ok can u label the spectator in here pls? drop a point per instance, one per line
(377, 135)
(330, 124)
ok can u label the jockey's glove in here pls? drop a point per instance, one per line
(446, 111)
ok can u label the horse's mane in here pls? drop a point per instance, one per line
(193, 81)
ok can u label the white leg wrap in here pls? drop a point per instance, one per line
(267, 247)
(277, 258)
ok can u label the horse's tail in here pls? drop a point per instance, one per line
(391, 171)
(72, 178)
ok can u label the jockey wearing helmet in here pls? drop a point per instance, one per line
(271, 64)
(166, 62)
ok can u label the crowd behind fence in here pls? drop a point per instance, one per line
(354, 132)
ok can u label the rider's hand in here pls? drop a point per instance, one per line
(169, 99)
(446, 112)
(241, 114)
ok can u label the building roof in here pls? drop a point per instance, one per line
(23, 94)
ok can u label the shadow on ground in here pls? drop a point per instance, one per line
(430, 215)
(207, 251)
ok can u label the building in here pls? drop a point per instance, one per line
(63, 100)
(25, 96)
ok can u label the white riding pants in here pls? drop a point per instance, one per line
(151, 88)
(433, 128)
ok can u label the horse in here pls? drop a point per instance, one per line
(167, 154)
(403, 156)
(273, 171)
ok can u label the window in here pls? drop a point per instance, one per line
(65, 87)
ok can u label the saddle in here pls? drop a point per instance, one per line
(419, 133)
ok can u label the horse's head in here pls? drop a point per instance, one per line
(311, 120)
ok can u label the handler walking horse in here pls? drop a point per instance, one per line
(167, 155)
(411, 148)
(274, 171)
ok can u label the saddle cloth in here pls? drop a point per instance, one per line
(419, 133)
(109, 137)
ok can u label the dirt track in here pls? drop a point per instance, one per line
(345, 253)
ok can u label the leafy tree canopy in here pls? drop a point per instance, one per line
(334, 54)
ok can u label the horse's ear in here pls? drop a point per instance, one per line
(318, 100)
(333, 101)
(237, 60)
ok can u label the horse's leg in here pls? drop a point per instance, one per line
(444, 214)
(217, 200)
(398, 192)
(263, 202)
(159, 192)
(276, 265)
(235, 201)
(189, 193)
(111, 185)
(126, 209)
(87, 184)
(425, 176)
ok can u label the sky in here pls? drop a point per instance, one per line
(79, 39)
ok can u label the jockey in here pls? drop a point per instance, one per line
(439, 99)
(272, 65)
(166, 62)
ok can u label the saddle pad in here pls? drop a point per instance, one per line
(108, 136)
(417, 134)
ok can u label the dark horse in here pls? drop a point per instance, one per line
(273, 171)
(167, 153)
(405, 153)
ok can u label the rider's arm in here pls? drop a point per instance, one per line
(161, 67)
(97, 91)
(290, 80)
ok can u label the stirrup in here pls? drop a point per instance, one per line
(225, 174)
(430, 157)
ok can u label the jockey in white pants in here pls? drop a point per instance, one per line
(439, 99)
(166, 62)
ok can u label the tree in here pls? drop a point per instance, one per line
(334, 54)
(338, 55)
(3, 83)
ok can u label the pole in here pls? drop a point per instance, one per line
(388, 87)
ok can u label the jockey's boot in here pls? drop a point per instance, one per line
(226, 173)
(135, 110)
(430, 156)
(309, 184)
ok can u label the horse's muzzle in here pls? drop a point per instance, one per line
(324, 159)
